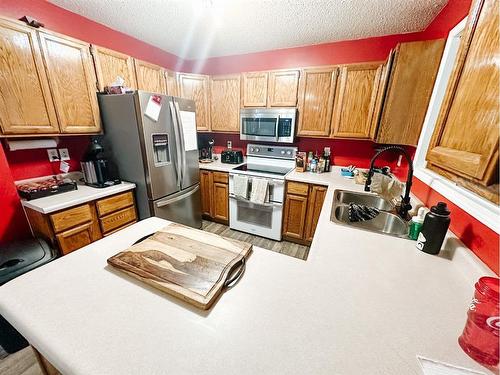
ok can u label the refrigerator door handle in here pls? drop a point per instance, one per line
(178, 198)
(178, 142)
(181, 132)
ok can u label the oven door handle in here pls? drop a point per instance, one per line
(270, 204)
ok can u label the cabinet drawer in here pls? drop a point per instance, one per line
(69, 218)
(107, 205)
(117, 219)
(221, 177)
(75, 238)
(297, 188)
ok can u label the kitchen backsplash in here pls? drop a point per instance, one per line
(35, 163)
(344, 151)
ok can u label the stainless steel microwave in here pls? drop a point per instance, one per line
(268, 124)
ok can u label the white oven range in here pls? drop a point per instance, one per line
(271, 163)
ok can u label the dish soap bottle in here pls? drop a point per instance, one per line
(434, 229)
(416, 223)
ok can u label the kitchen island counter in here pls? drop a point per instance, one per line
(363, 303)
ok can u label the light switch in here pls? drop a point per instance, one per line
(53, 155)
(64, 153)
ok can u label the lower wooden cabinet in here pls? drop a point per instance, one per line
(215, 195)
(76, 227)
(303, 203)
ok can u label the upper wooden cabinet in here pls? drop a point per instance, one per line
(254, 89)
(196, 87)
(413, 69)
(225, 103)
(110, 64)
(171, 82)
(464, 146)
(150, 77)
(282, 88)
(355, 101)
(316, 93)
(26, 105)
(72, 82)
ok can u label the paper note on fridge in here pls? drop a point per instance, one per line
(153, 107)
(188, 120)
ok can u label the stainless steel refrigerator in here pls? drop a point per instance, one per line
(153, 140)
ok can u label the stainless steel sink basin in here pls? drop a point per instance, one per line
(386, 222)
(366, 199)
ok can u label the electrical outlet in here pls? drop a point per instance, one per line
(64, 153)
(53, 155)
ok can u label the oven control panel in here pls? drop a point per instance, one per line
(279, 152)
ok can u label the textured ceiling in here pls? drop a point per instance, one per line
(195, 29)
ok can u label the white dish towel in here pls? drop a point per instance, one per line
(240, 186)
(259, 190)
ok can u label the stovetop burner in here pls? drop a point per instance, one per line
(272, 169)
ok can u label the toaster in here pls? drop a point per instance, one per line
(231, 157)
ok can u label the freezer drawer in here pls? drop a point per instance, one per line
(183, 207)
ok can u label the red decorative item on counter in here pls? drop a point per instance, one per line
(480, 338)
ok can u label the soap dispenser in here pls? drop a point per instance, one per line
(416, 223)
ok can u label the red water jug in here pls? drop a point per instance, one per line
(480, 338)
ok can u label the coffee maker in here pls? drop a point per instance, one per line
(206, 153)
(98, 170)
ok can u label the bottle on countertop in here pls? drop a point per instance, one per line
(309, 160)
(314, 165)
(416, 223)
(326, 154)
(436, 223)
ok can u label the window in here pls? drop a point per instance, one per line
(482, 209)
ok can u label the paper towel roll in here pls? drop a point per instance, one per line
(29, 144)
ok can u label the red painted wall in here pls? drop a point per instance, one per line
(344, 152)
(476, 236)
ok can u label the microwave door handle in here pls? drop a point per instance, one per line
(177, 143)
(181, 133)
(277, 127)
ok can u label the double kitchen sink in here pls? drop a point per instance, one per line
(386, 222)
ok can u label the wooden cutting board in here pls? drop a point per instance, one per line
(184, 262)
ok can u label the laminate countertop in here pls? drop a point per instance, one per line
(72, 198)
(218, 166)
(362, 303)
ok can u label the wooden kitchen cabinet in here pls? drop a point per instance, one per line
(464, 146)
(225, 103)
(413, 69)
(206, 192)
(254, 89)
(355, 101)
(215, 195)
(72, 80)
(110, 64)
(303, 203)
(75, 227)
(316, 94)
(171, 82)
(316, 198)
(196, 87)
(150, 77)
(282, 88)
(26, 105)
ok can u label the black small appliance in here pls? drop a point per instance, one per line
(231, 157)
(98, 170)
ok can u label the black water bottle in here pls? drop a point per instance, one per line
(434, 229)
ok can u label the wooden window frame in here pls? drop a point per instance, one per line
(483, 210)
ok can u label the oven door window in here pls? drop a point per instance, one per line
(260, 126)
(255, 214)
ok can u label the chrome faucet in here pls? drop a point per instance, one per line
(405, 200)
